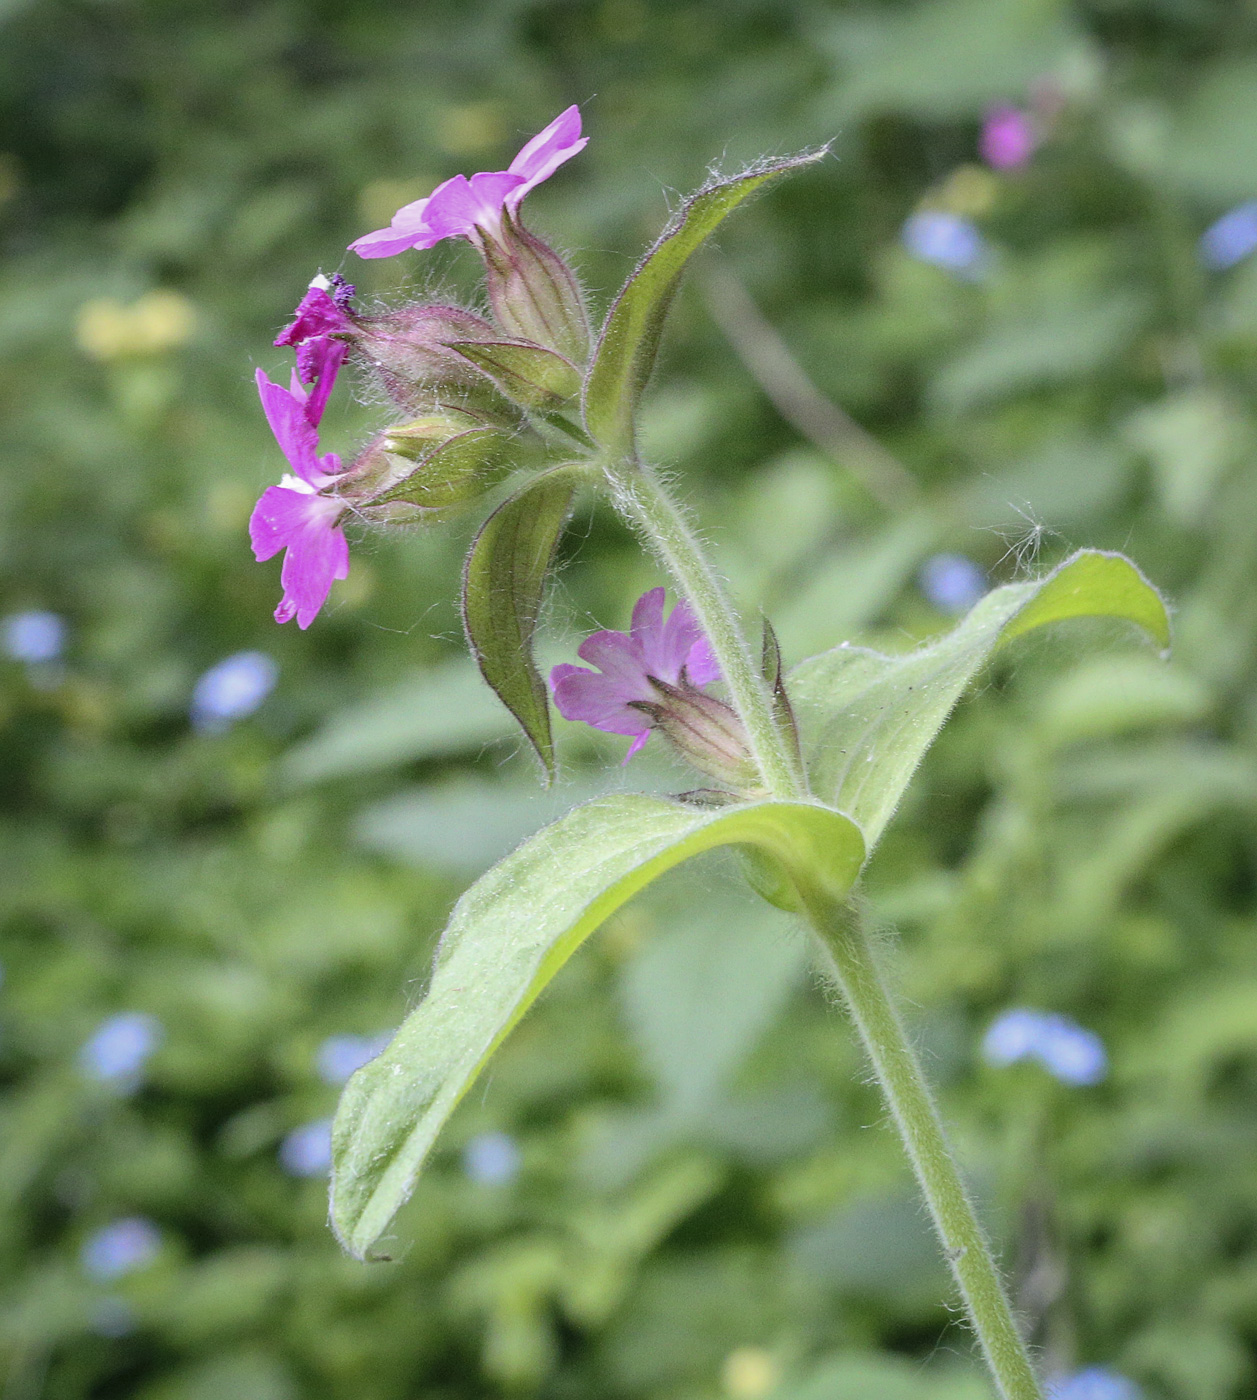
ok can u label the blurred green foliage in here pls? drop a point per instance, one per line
(706, 1202)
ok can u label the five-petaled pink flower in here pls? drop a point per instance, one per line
(675, 651)
(298, 515)
(1008, 138)
(473, 208)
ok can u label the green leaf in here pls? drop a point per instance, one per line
(538, 378)
(503, 583)
(507, 937)
(630, 336)
(868, 719)
(431, 714)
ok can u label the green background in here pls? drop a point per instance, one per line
(709, 1202)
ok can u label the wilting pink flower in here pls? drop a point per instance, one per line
(674, 652)
(317, 333)
(300, 515)
(471, 208)
(1008, 138)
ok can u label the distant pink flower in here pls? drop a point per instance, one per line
(317, 333)
(463, 208)
(298, 515)
(673, 652)
(1008, 138)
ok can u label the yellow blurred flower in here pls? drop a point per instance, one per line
(749, 1373)
(108, 329)
(470, 128)
(381, 199)
(970, 191)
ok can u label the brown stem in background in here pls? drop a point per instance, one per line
(769, 359)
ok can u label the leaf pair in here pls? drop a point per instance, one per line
(866, 719)
(507, 568)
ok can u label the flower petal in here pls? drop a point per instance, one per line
(549, 149)
(290, 422)
(319, 362)
(315, 559)
(317, 314)
(408, 229)
(461, 205)
(594, 699)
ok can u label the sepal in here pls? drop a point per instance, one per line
(534, 294)
(407, 348)
(541, 380)
(433, 463)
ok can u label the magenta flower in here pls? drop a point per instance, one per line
(463, 208)
(674, 652)
(1008, 138)
(317, 333)
(299, 515)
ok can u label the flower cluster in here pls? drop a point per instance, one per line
(468, 382)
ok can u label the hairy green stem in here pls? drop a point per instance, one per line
(852, 962)
(640, 495)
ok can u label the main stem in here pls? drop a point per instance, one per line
(641, 496)
(854, 967)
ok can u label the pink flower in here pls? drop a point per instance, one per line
(463, 208)
(298, 515)
(674, 652)
(317, 333)
(1008, 138)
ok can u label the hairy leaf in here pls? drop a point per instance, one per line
(868, 719)
(503, 583)
(630, 336)
(507, 937)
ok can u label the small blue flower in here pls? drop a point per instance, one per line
(33, 637)
(945, 240)
(339, 1056)
(232, 690)
(952, 582)
(307, 1150)
(119, 1049)
(492, 1159)
(1231, 239)
(1094, 1383)
(1071, 1053)
(120, 1248)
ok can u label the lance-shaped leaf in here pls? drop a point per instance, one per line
(630, 336)
(507, 937)
(868, 719)
(503, 584)
(540, 379)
